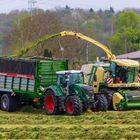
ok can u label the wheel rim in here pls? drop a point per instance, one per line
(69, 106)
(50, 103)
(4, 103)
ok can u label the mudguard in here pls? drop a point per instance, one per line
(57, 90)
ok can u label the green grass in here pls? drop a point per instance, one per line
(35, 124)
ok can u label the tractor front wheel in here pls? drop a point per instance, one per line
(52, 104)
(73, 105)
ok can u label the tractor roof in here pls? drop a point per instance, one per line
(126, 62)
(68, 71)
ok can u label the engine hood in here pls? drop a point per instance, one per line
(86, 87)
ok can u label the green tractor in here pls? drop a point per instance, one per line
(71, 95)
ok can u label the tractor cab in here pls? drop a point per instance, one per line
(71, 77)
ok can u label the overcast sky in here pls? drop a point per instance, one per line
(8, 5)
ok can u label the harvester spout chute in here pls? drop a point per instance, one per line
(24, 51)
(109, 54)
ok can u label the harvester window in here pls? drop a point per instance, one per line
(113, 70)
(122, 74)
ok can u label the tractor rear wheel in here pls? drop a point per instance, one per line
(73, 105)
(102, 103)
(52, 104)
(8, 103)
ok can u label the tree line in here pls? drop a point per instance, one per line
(120, 31)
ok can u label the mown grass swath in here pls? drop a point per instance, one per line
(35, 124)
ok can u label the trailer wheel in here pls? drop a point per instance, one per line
(73, 105)
(52, 104)
(8, 103)
(102, 103)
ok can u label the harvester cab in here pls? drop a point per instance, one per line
(124, 71)
(70, 94)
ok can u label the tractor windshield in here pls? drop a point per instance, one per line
(70, 78)
(76, 78)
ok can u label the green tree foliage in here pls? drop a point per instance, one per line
(20, 29)
(29, 29)
(47, 53)
(127, 36)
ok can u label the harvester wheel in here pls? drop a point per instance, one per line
(73, 105)
(8, 103)
(109, 95)
(52, 104)
(110, 101)
(85, 106)
(102, 102)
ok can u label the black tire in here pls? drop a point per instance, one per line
(110, 101)
(102, 103)
(8, 103)
(53, 105)
(109, 95)
(85, 106)
(73, 105)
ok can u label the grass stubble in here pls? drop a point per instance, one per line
(29, 123)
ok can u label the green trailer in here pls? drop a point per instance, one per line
(23, 81)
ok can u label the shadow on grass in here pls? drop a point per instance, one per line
(30, 109)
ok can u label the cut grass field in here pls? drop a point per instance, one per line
(35, 124)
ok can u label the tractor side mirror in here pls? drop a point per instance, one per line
(95, 78)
